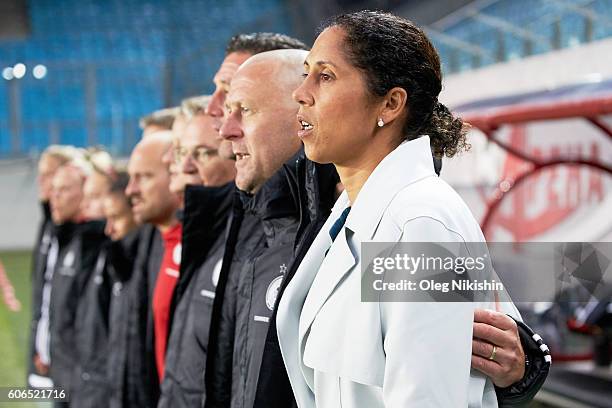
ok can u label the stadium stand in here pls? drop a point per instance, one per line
(485, 32)
(110, 62)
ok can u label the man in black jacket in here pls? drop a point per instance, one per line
(76, 248)
(50, 161)
(152, 203)
(205, 215)
(261, 146)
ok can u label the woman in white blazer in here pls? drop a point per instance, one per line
(369, 105)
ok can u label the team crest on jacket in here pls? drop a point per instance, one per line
(272, 292)
(45, 243)
(69, 259)
(176, 254)
(217, 272)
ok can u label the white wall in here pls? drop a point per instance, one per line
(19, 210)
(527, 215)
(550, 70)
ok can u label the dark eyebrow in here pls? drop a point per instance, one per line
(326, 63)
(321, 63)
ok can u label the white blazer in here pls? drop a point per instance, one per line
(341, 352)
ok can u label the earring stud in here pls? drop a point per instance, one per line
(380, 122)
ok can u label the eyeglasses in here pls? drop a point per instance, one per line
(200, 154)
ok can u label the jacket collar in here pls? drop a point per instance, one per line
(409, 162)
(46, 210)
(206, 207)
(276, 204)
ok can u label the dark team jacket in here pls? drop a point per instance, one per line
(247, 289)
(39, 263)
(90, 381)
(315, 185)
(142, 381)
(79, 247)
(120, 264)
(205, 223)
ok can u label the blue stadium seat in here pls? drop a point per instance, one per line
(132, 43)
(129, 43)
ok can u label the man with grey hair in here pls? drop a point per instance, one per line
(75, 250)
(50, 161)
(158, 121)
(205, 215)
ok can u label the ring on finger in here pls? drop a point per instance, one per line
(493, 353)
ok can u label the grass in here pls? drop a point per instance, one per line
(14, 326)
(14, 332)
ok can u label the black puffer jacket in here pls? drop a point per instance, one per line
(142, 381)
(316, 187)
(251, 291)
(90, 380)
(39, 262)
(244, 238)
(205, 221)
(79, 247)
(120, 266)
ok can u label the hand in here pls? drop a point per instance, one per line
(40, 367)
(497, 329)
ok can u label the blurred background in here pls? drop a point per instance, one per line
(533, 77)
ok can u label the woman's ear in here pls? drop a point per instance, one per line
(393, 104)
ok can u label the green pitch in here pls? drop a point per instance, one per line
(14, 325)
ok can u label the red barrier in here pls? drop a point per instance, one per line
(8, 291)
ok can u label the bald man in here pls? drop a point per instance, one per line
(260, 124)
(150, 287)
(154, 203)
(149, 186)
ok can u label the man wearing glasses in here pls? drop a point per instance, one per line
(206, 208)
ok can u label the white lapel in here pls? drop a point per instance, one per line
(298, 308)
(339, 261)
(409, 162)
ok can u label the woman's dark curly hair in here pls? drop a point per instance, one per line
(393, 52)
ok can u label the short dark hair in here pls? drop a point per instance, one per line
(393, 52)
(120, 183)
(256, 43)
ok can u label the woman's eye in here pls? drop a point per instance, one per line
(244, 109)
(304, 75)
(325, 77)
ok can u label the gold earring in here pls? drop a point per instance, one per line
(380, 123)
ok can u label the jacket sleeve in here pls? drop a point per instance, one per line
(428, 344)
(537, 365)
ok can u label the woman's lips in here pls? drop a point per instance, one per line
(305, 128)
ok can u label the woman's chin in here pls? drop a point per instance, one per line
(314, 154)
